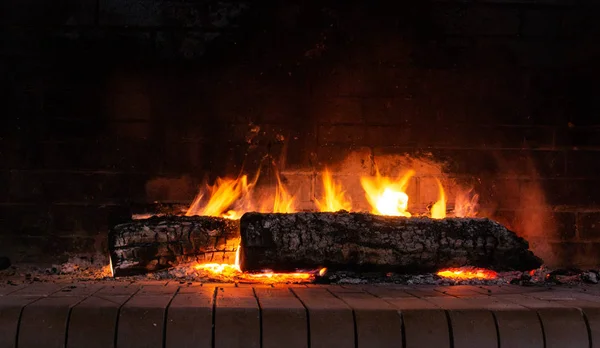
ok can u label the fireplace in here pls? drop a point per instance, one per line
(118, 111)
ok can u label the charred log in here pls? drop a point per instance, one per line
(361, 241)
(157, 243)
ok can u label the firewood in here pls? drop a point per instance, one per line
(362, 241)
(148, 245)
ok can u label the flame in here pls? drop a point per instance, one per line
(233, 272)
(223, 194)
(438, 210)
(468, 273)
(466, 204)
(283, 202)
(334, 196)
(387, 196)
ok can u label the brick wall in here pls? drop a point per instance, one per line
(117, 105)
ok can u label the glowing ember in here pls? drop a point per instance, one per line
(468, 273)
(334, 198)
(232, 272)
(387, 196)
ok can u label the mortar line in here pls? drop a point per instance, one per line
(260, 317)
(542, 326)
(164, 336)
(307, 316)
(68, 321)
(214, 311)
(353, 316)
(497, 329)
(450, 330)
(587, 326)
(119, 314)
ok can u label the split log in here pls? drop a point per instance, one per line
(148, 245)
(362, 241)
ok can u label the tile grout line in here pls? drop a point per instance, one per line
(260, 317)
(353, 316)
(497, 326)
(307, 316)
(164, 331)
(119, 314)
(71, 310)
(214, 316)
(542, 327)
(23, 309)
(588, 328)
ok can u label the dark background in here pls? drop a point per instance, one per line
(115, 106)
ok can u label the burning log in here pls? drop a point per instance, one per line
(362, 241)
(157, 243)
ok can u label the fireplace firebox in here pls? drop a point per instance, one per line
(117, 110)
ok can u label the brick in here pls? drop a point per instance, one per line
(46, 321)
(345, 159)
(331, 321)
(473, 328)
(139, 13)
(389, 136)
(542, 23)
(575, 192)
(88, 220)
(583, 164)
(389, 111)
(93, 322)
(339, 80)
(588, 225)
(564, 327)
(335, 110)
(284, 319)
(378, 323)
(593, 318)
(10, 314)
(237, 318)
(565, 225)
(578, 138)
(30, 220)
(33, 11)
(341, 134)
(50, 248)
(142, 318)
(189, 319)
(426, 328)
(37, 290)
(519, 328)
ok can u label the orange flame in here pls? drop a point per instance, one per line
(387, 196)
(232, 272)
(468, 273)
(284, 202)
(438, 210)
(222, 195)
(334, 198)
(466, 204)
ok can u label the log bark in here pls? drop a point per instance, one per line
(362, 241)
(148, 245)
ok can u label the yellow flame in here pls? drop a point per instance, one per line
(334, 198)
(438, 210)
(387, 196)
(223, 194)
(284, 202)
(232, 272)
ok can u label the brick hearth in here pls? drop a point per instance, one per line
(146, 314)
